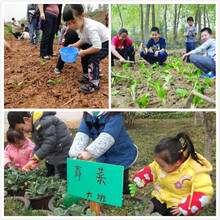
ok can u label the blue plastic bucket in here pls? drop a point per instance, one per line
(69, 54)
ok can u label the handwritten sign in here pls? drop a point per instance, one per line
(95, 181)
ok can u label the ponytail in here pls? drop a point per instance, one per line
(171, 149)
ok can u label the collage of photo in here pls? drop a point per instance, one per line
(109, 110)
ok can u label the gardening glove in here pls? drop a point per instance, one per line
(133, 188)
(29, 165)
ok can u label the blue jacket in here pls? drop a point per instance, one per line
(161, 44)
(123, 152)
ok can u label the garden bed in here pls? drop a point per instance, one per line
(27, 85)
(156, 87)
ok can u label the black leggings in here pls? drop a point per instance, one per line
(59, 170)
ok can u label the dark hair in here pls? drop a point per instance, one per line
(17, 118)
(13, 135)
(190, 19)
(72, 11)
(206, 29)
(156, 29)
(171, 149)
(22, 25)
(122, 30)
(12, 18)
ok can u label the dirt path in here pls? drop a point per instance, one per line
(23, 69)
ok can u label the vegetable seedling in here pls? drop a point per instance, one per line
(182, 93)
(16, 85)
(41, 62)
(143, 101)
(55, 82)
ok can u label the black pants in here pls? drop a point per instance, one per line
(161, 208)
(71, 37)
(125, 53)
(49, 29)
(126, 182)
(17, 34)
(59, 170)
(90, 62)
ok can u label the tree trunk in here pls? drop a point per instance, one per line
(142, 23)
(207, 15)
(208, 120)
(165, 22)
(119, 12)
(177, 22)
(153, 16)
(147, 18)
(196, 16)
(204, 16)
(174, 21)
(199, 21)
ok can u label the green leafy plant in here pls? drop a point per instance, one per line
(125, 66)
(143, 101)
(135, 45)
(16, 85)
(55, 82)
(74, 210)
(113, 93)
(41, 62)
(182, 93)
(133, 88)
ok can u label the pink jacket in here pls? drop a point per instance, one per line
(19, 156)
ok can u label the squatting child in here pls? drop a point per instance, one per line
(121, 47)
(111, 142)
(206, 63)
(94, 36)
(52, 138)
(182, 185)
(19, 150)
(158, 46)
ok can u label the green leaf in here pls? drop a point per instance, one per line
(113, 93)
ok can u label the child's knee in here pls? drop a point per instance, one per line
(142, 53)
(193, 58)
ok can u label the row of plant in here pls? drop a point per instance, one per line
(164, 83)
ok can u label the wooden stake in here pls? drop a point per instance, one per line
(68, 102)
(95, 207)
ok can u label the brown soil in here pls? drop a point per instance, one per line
(123, 98)
(23, 65)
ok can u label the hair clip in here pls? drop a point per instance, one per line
(180, 151)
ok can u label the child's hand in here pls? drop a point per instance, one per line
(42, 15)
(71, 45)
(156, 53)
(176, 211)
(133, 188)
(8, 165)
(184, 57)
(84, 155)
(122, 60)
(81, 53)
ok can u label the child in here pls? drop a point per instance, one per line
(111, 143)
(206, 63)
(121, 47)
(52, 138)
(19, 150)
(70, 36)
(190, 33)
(182, 185)
(158, 46)
(94, 36)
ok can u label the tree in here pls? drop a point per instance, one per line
(204, 16)
(119, 12)
(208, 120)
(153, 15)
(174, 21)
(147, 19)
(165, 22)
(142, 23)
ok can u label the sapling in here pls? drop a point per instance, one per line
(41, 62)
(182, 93)
(16, 85)
(143, 101)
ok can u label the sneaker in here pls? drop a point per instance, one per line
(210, 75)
(89, 88)
(57, 71)
(54, 55)
(83, 80)
(46, 57)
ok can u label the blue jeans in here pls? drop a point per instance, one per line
(34, 27)
(190, 46)
(129, 52)
(90, 62)
(49, 29)
(150, 58)
(206, 64)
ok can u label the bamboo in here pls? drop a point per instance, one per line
(95, 207)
